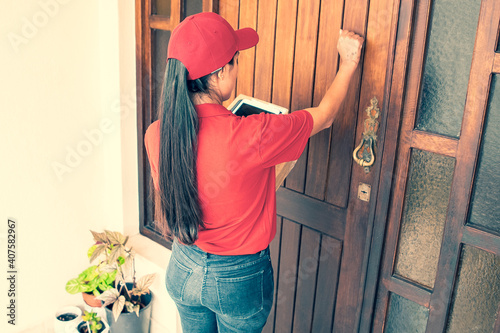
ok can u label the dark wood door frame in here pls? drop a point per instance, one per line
(401, 20)
(408, 37)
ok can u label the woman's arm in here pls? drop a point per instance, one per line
(349, 48)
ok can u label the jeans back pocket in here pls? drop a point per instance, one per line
(176, 278)
(241, 297)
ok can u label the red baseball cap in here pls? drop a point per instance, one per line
(206, 42)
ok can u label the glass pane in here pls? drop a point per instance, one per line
(192, 7)
(485, 202)
(424, 214)
(476, 298)
(160, 7)
(159, 41)
(447, 66)
(405, 316)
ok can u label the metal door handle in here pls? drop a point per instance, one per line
(364, 154)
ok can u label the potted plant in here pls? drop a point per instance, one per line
(93, 280)
(67, 319)
(92, 324)
(128, 304)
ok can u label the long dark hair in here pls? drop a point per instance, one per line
(178, 190)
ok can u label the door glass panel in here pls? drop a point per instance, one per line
(405, 316)
(192, 7)
(476, 298)
(160, 7)
(447, 65)
(424, 214)
(485, 203)
(159, 41)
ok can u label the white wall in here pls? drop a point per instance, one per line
(67, 141)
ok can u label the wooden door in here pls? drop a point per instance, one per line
(441, 264)
(320, 252)
(439, 124)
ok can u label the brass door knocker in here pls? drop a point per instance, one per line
(364, 154)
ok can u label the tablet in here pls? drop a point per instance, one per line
(244, 106)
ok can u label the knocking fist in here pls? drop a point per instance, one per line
(349, 47)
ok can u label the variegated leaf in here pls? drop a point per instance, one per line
(119, 280)
(108, 268)
(99, 249)
(109, 296)
(118, 307)
(137, 307)
(99, 236)
(129, 306)
(145, 282)
(91, 250)
(127, 266)
(115, 253)
(115, 237)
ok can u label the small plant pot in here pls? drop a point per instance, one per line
(83, 328)
(130, 322)
(67, 319)
(91, 300)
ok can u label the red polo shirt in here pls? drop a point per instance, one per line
(236, 179)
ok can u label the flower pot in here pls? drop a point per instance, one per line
(67, 319)
(82, 327)
(91, 300)
(130, 322)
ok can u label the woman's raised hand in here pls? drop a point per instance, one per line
(349, 47)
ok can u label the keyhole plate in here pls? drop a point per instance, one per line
(364, 192)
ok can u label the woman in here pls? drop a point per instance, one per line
(214, 173)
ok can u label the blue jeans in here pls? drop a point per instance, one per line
(216, 293)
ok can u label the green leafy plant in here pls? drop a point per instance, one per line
(95, 279)
(94, 323)
(120, 258)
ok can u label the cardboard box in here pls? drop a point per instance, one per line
(245, 106)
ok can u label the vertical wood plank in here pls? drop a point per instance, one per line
(248, 18)
(287, 281)
(284, 50)
(466, 159)
(274, 249)
(141, 110)
(211, 6)
(264, 52)
(375, 83)
(175, 12)
(343, 129)
(229, 9)
(404, 96)
(147, 100)
(326, 66)
(403, 15)
(358, 229)
(306, 280)
(303, 77)
(326, 290)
